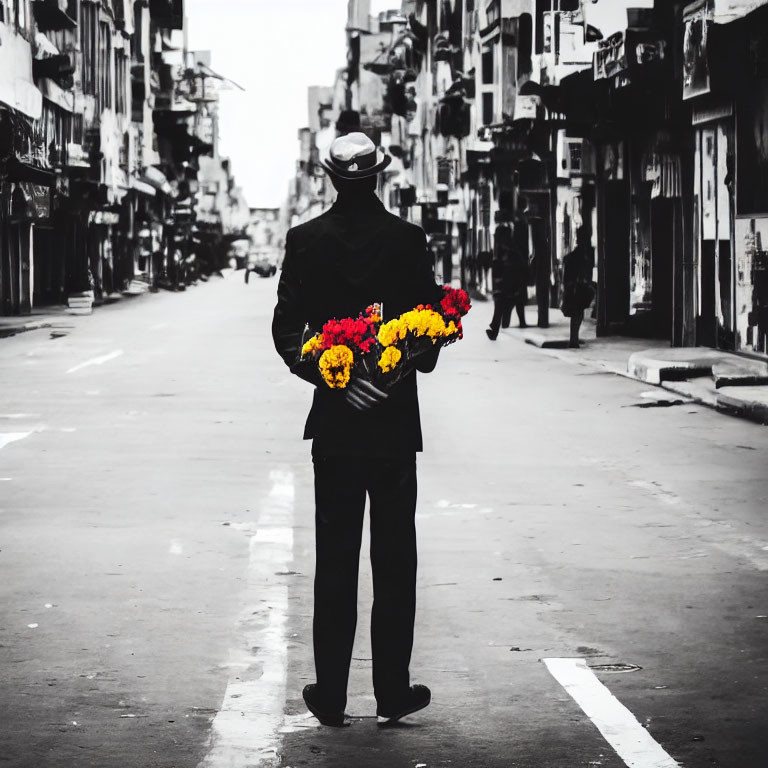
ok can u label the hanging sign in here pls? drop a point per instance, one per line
(38, 200)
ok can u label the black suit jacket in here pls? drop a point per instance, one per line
(336, 265)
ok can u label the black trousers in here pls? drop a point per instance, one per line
(502, 312)
(341, 485)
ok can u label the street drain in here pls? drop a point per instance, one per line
(614, 668)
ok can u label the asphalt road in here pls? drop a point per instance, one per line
(156, 556)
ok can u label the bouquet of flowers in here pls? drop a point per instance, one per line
(383, 352)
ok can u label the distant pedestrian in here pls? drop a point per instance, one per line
(510, 279)
(485, 262)
(578, 291)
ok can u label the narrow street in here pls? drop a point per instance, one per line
(156, 551)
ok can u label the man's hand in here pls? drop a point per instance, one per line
(363, 396)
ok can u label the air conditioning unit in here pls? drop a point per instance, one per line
(575, 157)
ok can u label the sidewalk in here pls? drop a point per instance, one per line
(47, 317)
(722, 380)
(62, 317)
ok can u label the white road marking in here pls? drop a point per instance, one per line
(97, 361)
(246, 731)
(19, 415)
(619, 727)
(6, 438)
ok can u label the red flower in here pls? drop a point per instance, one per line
(354, 333)
(455, 303)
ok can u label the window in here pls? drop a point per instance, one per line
(488, 67)
(121, 83)
(137, 41)
(487, 108)
(78, 128)
(525, 44)
(20, 15)
(493, 12)
(104, 96)
(574, 150)
(88, 45)
(53, 132)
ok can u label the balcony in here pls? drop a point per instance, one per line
(51, 15)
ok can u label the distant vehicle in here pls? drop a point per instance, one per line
(262, 262)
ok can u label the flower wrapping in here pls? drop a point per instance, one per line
(383, 352)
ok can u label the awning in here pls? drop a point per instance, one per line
(144, 188)
(156, 179)
(731, 10)
(52, 15)
(16, 170)
(22, 96)
(52, 91)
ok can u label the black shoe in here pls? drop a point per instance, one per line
(418, 697)
(334, 719)
(491, 334)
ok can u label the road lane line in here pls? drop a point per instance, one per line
(6, 438)
(246, 730)
(619, 727)
(97, 361)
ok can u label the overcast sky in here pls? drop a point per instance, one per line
(275, 49)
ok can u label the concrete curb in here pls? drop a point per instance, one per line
(655, 371)
(693, 379)
(14, 330)
(544, 341)
(742, 405)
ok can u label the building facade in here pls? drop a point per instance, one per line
(103, 118)
(638, 122)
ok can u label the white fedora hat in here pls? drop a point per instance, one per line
(355, 156)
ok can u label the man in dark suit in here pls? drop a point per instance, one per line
(364, 440)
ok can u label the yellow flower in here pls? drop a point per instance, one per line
(389, 359)
(425, 322)
(312, 345)
(336, 365)
(392, 331)
(451, 329)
